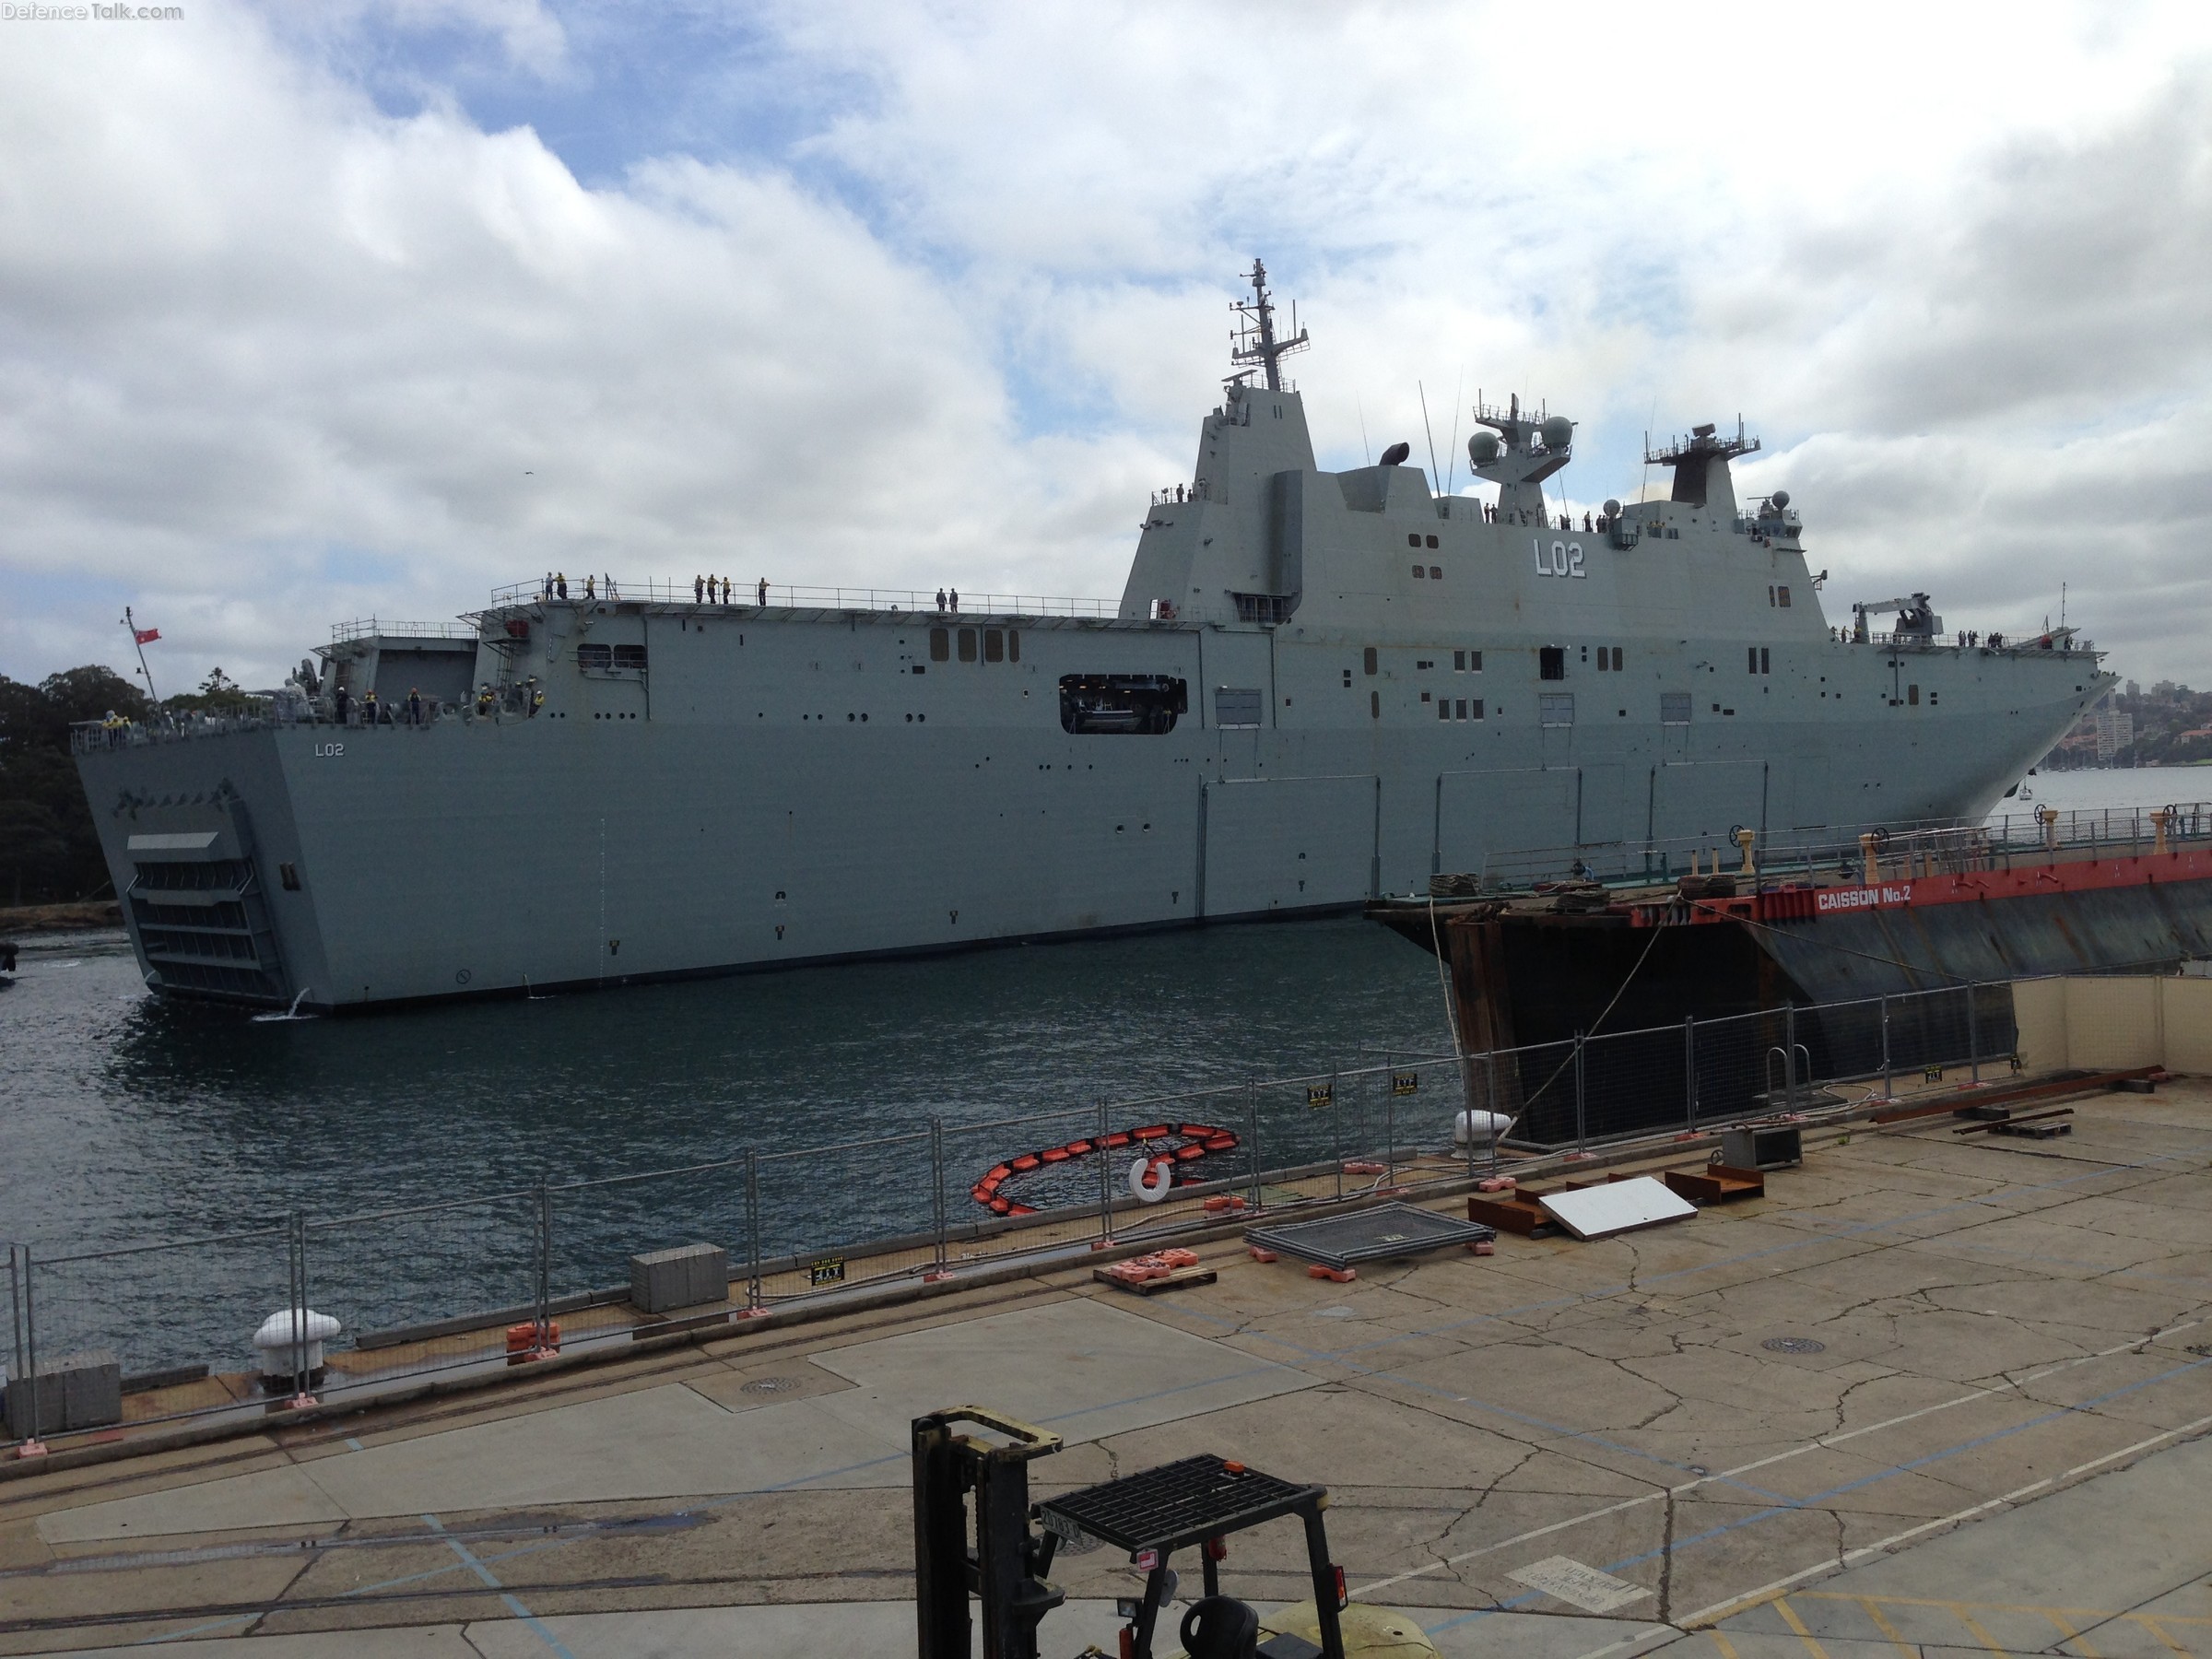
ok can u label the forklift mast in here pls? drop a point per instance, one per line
(1006, 1570)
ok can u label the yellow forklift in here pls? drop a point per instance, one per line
(1194, 1503)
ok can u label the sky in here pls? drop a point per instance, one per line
(311, 314)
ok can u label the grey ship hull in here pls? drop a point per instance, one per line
(481, 857)
(1319, 687)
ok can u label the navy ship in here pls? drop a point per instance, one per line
(1317, 687)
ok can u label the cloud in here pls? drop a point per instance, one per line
(273, 352)
(290, 323)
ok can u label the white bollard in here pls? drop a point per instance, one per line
(274, 1343)
(1478, 1129)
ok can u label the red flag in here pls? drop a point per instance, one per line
(146, 636)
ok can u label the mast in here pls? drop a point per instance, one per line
(1254, 340)
(138, 643)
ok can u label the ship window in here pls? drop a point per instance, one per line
(1436, 572)
(1369, 659)
(1556, 708)
(1604, 659)
(289, 875)
(1348, 680)
(1912, 694)
(1459, 662)
(1766, 663)
(1475, 706)
(1425, 698)
(1616, 667)
(1424, 663)
(1013, 645)
(1105, 704)
(1674, 708)
(966, 644)
(1420, 571)
(593, 658)
(1374, 705)
(940, 646)
(1444, 708)
(1551, 662)
(995, 645)
(1236, 705)
(1429, 541)
(1931, 700)
(1784, 594)
(630, 657)
(1412, 539)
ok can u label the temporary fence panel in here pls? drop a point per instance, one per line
(149, 1306)
(790, 1253)
(373, 1272)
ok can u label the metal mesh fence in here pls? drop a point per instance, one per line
(945, 1198)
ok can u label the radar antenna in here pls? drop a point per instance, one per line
(1254, 340)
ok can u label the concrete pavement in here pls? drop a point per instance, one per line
(1922, 1375)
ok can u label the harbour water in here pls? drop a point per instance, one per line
(127, 1120)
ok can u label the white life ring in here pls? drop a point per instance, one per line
(1142, 1189)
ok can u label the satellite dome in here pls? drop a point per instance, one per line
(1482, 447)
(1781, 498)
(1396, 454)
(1557, 432)
(1612, 508)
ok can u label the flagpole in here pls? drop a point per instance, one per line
(129, 622)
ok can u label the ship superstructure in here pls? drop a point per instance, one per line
(1317, 686)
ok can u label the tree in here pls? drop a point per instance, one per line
(49, 849)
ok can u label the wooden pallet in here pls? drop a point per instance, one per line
(1514, 1212)
(1182, 1278)
(1715, 1183)
(2032, 1130)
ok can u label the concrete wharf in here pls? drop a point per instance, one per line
(1930, 1393)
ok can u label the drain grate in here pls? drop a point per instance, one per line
(770, 1385)
(1794, 1345)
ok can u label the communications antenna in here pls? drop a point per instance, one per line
(1254, 340)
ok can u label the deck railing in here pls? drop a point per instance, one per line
(777, 595)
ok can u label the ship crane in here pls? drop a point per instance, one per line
(1916, 618)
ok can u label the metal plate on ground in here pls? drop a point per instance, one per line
(1370, 1235)
(1618, 1207)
